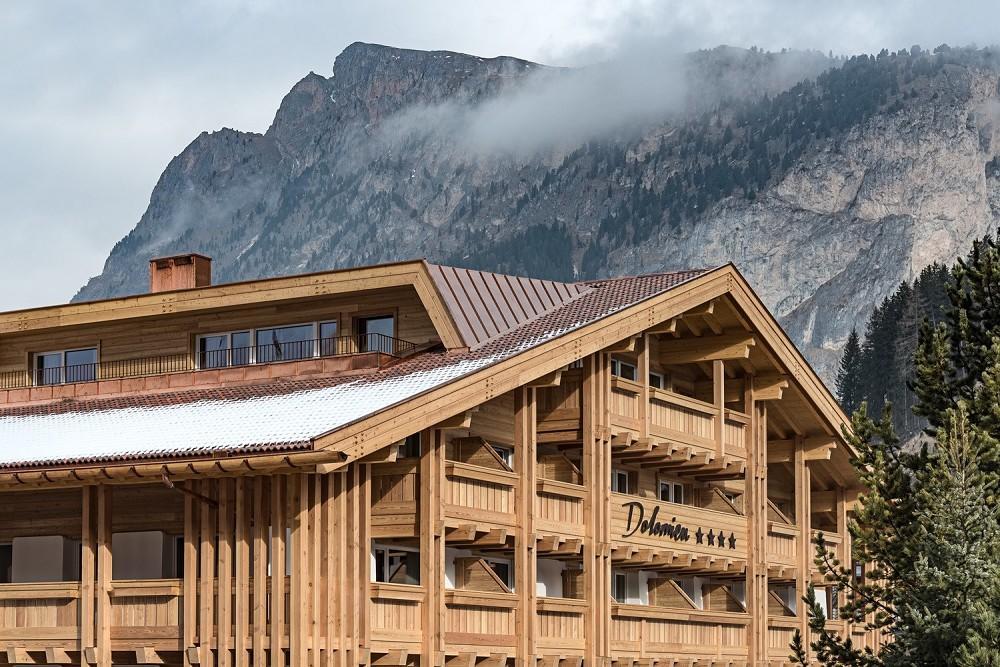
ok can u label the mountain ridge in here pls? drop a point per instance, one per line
(825, 191)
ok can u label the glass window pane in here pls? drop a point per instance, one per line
(375, 333)
(328, 339)
(242, 345)
(81, 365)
(213, 351)
(284, 343)
(48, 368)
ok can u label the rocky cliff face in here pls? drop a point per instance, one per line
(825, 195)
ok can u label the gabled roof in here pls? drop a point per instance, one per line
(485, 305)
(292, 415)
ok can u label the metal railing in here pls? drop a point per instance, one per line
(269, 353)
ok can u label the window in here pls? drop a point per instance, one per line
(624, 369)
(506, 455)
(328, 339)
(396, 565)
(285, 343)
(671, 492)
(6, 563)
(375, 333)
(625, 587)
(620, 481)
(66, 366)
(657, 380)
(228, 349)
(503, 570)
(410, 447)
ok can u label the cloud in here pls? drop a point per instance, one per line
(98, 97)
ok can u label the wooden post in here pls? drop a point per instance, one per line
(431, 547)
(802, 518)
(298, 492)
(333, 583)
(525, 564)
(206, 601)
(719, 396)
(224, 620)
(597, 476)
(315, 565)
(88, 565)
(104, 565)
(242, 608)
(364, 509)
(190, 584)
(755, 507)
(260, 527)
(643, 372)
(278, 487)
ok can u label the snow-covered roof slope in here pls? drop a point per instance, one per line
(281, 415)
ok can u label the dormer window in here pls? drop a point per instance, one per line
(375, 333)
(64, 366)
(270, 344)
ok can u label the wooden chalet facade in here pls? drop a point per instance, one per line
(413, 464)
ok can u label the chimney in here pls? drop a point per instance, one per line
(180, 272)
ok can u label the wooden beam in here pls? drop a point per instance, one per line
(17, 655)
(103, 637)
(769, 387)
(88, 571)
(815, 448)
(388, 454)
(146, 655)
(552, 379)
(394, 658)
(625, 345)
(57, 656)
(461, 420)
(707, 348)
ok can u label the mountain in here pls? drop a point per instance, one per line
(828, 181)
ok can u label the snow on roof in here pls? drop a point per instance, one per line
(279, 416)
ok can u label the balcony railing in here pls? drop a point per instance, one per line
(275, 352)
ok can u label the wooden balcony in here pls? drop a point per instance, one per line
(395, 487)
(782, 550)
(656, 632)
(396, 613)
(695, 436)
(37, 616)
(476, 621)
(559, 508)
(559, 624)
(479, 495)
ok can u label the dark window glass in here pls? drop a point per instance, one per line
(411, 447)
(6, 562)
(620, 588)
(328, 339)
(241, 346)
(502, 570)
(48, 368)
(81, 365)
(213, 351)
(380, 565)
(285, 343)
(656, 380)
(404, 567)
(375, 334)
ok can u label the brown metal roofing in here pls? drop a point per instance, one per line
(485, 305)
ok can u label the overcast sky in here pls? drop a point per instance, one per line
(96, 97)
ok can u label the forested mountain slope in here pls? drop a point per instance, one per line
(827, 181)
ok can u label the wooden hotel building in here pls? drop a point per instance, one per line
(413, 464)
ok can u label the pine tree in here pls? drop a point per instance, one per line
(849, 391)
(928, 527)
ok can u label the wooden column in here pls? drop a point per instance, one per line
(298, 517)
(224, 619)
(260, 543)
(88, 569)
(719, 399)
(525, 563)
(104, 565)
(206, 598)
(189, 620)
(243, 536)
(278, 486)
(431, 547)
(803, 519)
(755, 506)
(643, 373)
(597, 476)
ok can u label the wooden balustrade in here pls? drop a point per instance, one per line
(779, 634)
(475, 493)
(40, 614)
(146, 609)
(782, 544)
(624, 403)
(396, 613)
(395, 487)
(560, 624)
(682, 418)
(559, 507)
(658, 632)
(477, 619)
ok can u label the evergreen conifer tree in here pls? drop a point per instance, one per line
(849, 391)
(928, 526)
